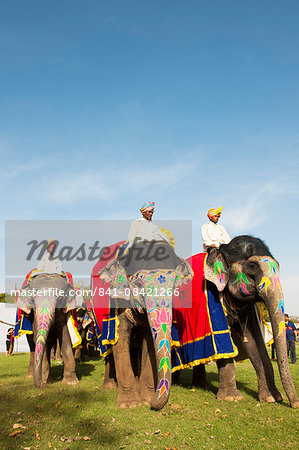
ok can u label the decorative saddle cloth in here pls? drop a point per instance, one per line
(202, 330)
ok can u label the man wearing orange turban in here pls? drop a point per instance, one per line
(213, 234)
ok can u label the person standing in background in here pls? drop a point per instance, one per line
(10, 340)
(292, 338)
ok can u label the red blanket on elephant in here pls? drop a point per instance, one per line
(203, 331)
(104, 314)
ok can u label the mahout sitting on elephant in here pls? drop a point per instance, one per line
(244, 273)
(47, 304)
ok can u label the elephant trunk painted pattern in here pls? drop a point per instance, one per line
(160, 322)
(159, 286)
(271, 292)
(44, 314)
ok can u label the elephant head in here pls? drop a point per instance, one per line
(44, 294)
(247, 273)
(152, 291)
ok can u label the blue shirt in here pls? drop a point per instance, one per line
(290, 331)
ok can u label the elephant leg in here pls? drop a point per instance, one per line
(78, 355)
(31, 344)
(69, 373)
(175, 377)
(110, 375)
(128, 395)
(256, 349)
(227, 381)
(57, 351)
(199, 377)
(147, 382)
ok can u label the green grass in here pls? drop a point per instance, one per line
(61, 416)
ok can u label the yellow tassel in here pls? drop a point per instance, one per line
(170, 235)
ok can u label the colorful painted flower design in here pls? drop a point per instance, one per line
(264, 284)
(163, 386)
(282, 328)
(218, 267)
(161, 279)
(280, 306)
(164, 364)
(163, 319)
(121, 278)
(155, 333)
(151, 304)
(164, 345)
(38, 353)
(242, 280)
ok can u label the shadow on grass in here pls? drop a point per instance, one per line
(213, 380)
(82, 370)
(57, 413)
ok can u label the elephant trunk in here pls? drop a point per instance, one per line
(160, 321)
(43, 318)
(270, 291)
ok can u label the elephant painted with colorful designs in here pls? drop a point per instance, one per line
(48, 304)
(143, 290)
(245, 272)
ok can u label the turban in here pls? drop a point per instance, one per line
(51, 241)
(214, 212)
(147, 206)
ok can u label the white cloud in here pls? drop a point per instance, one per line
(255, 209)
(110, 183)
(21, 169)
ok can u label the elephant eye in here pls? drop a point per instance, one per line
(251, 267)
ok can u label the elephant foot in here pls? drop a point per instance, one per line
(109, 385)
(146, 397)
(202, 385)
(70, 380)
(229, 396)
(266, 396)
(124, 402)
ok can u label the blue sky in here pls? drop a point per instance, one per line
(107, 104)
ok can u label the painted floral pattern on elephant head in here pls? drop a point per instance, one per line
(242, 280)
(219, 271)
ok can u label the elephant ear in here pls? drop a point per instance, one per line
(184, 273)
(25, 303)
(216, 270)
(69, 301)
(115, 274)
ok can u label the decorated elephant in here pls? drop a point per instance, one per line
(47, 304)
(142, 290)
(244, 273)
(86, 331)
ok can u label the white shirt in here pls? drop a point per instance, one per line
(145, 230)
(213, 233)
(49, 266)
